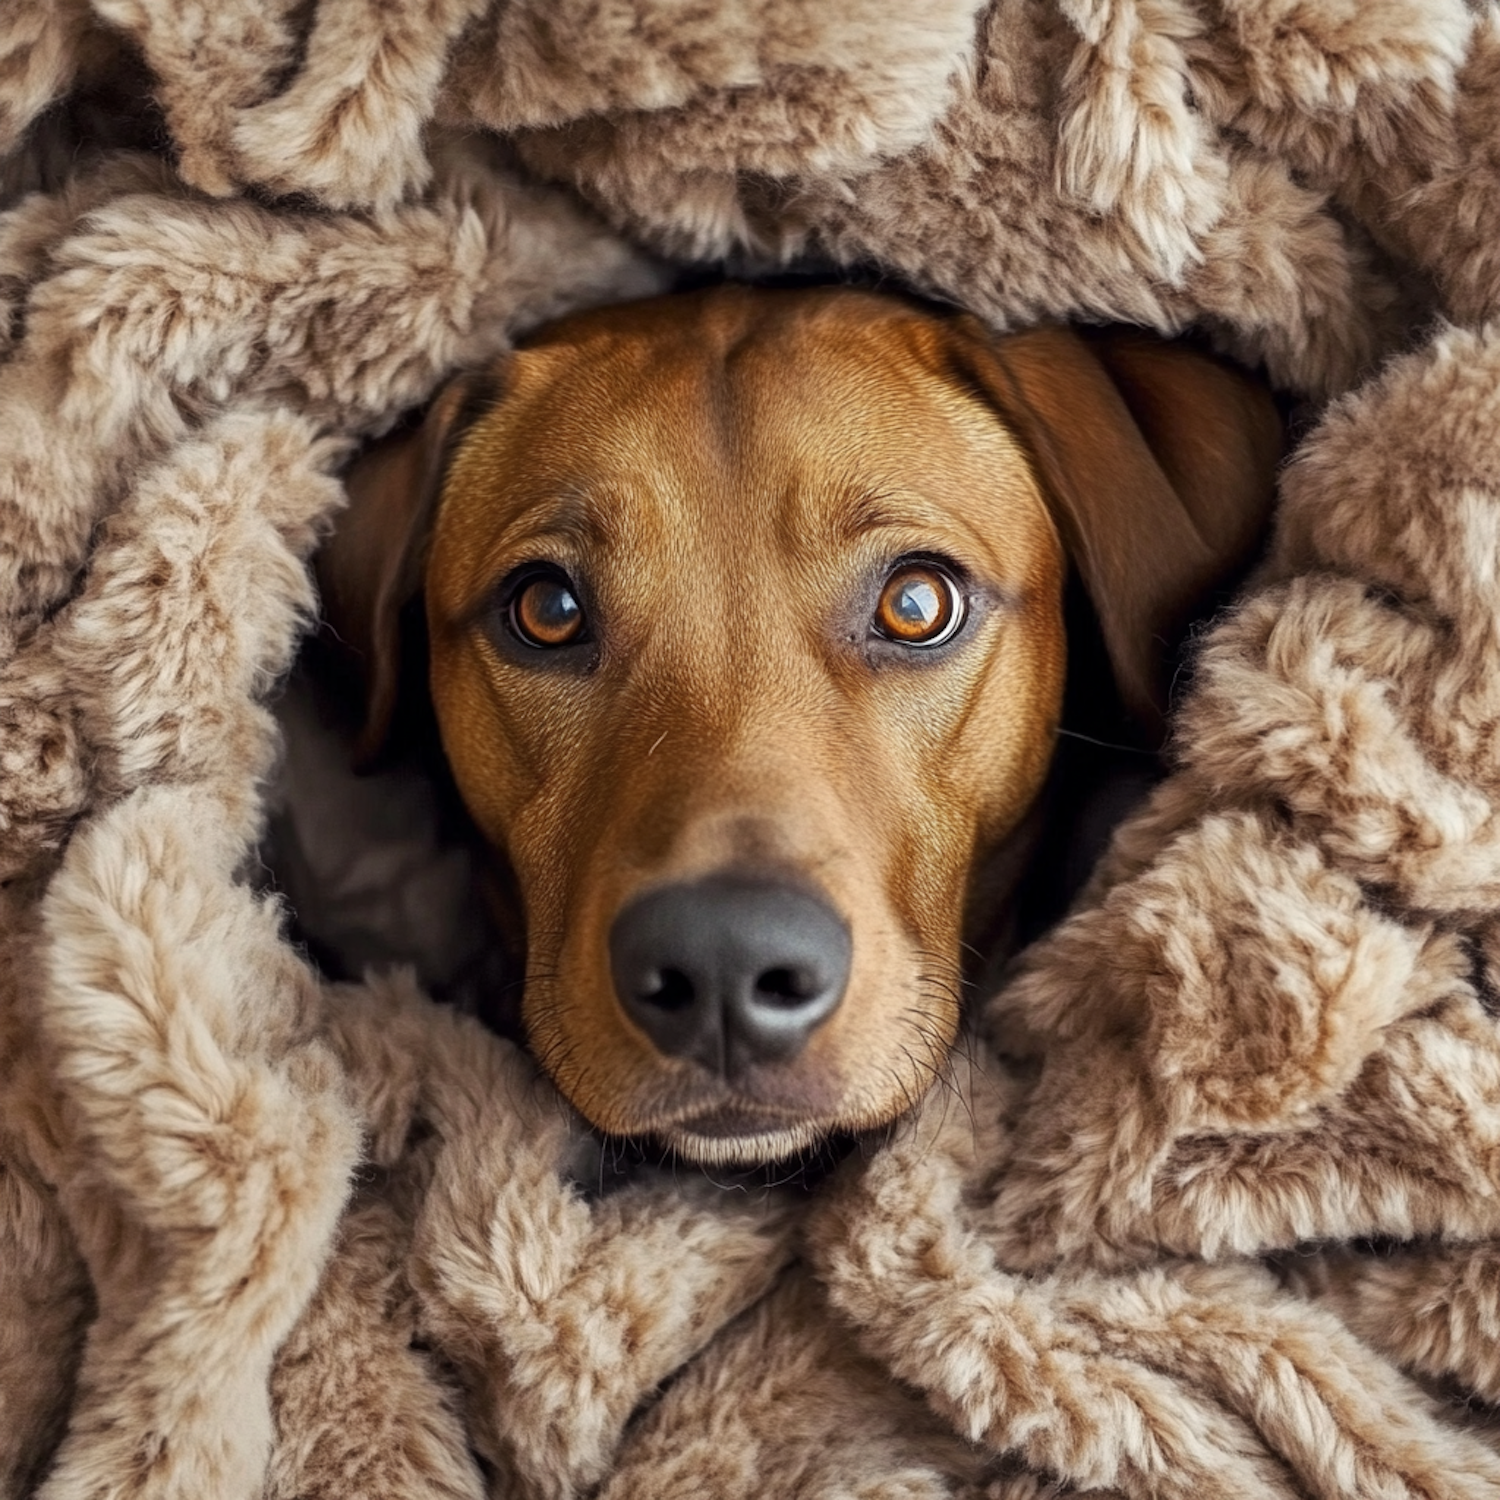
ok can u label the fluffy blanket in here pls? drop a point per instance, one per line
(1232, 1227)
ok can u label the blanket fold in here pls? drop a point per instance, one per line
(1208, 1205)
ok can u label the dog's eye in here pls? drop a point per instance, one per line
(920, 605)
(544, 611)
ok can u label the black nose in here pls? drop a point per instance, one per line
(729, 970)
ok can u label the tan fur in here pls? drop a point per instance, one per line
(903, 1262)
(383, 1418)
(763, 76)
(241, 1155)
(1269, 1023)
(1432, 1310)
(208, 60)
(768, 1414)
(980, 212)
(552, 1309)
(41, 48)
(202, 295)
(560, 1321)
(1364, 715)
(349, 128)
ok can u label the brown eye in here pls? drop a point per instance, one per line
(545, 612)
(920, 605)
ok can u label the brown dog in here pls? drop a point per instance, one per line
(746, 647)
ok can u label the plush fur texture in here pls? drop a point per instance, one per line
(1209, 1207)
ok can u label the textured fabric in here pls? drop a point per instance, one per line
(1209, 1207)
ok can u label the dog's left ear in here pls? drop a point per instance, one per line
(1158, 463)
(372, 564)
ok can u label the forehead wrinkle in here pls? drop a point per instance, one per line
(886, 509)
(733, 391)
(863, 512)
(865, 443)
(578, 516)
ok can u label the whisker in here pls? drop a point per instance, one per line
(1088, 739)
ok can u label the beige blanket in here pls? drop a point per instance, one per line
(1237, 1234)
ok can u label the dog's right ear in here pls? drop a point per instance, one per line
(372, 564)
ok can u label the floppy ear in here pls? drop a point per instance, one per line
(1158, 463)
(372, 564)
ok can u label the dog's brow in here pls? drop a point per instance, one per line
(577, 514)
(868, 510)
(878, 510)
(573, 519)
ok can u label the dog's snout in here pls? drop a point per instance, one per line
(729, 971)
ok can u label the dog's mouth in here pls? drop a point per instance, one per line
(730, 1138)
(713, 1122)
(621, 1160)
(731, 1122)
(762, 1121)
(716, 1116)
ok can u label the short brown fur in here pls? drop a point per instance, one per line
(728, 475)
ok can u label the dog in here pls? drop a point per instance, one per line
(746, 644)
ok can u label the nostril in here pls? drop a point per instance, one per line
(786, 987)
(671, 990)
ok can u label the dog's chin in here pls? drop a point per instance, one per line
(725, 1140)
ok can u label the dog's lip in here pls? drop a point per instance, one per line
(735, 1121)
(715, 1108)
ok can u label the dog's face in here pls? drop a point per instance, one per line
(746, 647)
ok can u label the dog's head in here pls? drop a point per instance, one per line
(746, 646)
